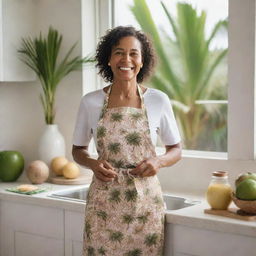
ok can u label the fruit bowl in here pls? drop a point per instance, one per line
(248, 206)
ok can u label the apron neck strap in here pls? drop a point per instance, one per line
(139, 91)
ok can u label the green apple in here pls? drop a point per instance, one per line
(11, 165)
(244, 176)
(246, 190)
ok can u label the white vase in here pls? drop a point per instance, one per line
(51, 144)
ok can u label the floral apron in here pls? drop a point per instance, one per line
(124, 217)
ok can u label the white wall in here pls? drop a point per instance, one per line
(21, 113)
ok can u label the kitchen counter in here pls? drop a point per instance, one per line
(192, 216)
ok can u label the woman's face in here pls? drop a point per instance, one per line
(126, 59)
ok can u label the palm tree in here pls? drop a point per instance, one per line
(128, 219)
(151, 239)
(133, 139)
(129, 181)
(101, 132)
(158, 200)
(116, 117)
(102, 251)
(131, 195)
(114, 148)
(116, 236)
(91, 251)
(88, 229)
(42, 56)
(135, 252)
(136, 116)
(191, 76)
(103, 215)
(143, 218)
(115, 196)
(117, 163)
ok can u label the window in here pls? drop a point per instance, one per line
(193, 74)
(241, 92)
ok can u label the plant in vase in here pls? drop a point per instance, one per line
(41, 54)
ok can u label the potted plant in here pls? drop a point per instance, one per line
(41, 54)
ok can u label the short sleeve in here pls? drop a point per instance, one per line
(83, 128)
(168, 130)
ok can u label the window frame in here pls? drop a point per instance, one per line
(241, 75)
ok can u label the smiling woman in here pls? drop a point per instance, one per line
(126, 119)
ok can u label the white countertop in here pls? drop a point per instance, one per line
(192, 216)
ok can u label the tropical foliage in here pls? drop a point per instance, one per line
(190, 72)
(41, 54)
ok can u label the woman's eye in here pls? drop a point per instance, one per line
(118, 53)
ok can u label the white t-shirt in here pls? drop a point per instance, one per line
(159, 110)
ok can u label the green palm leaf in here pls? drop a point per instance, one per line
(114, 147)
(116, 117)
(116, 236)
(102, 251)
(103, 215)
(131, 195)
(128, 219)
(151, 239)
(91, 251)
(41, 54)
(133, 138)
(101, 132)
(135, 252)
(187, 65)
(115, 196)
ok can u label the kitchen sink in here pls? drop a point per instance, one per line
(79, 195)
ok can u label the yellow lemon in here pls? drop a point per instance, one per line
(71, 170)
(57, 164)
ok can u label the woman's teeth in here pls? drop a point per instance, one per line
(124, 68)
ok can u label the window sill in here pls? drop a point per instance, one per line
(198, 154)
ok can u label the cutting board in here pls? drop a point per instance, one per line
(234, 213)
(82, 179)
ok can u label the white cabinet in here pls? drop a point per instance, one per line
(28, 230)
(74, 226)
(187, 241)
(17, 20)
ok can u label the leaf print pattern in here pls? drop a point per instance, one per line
(91, 251)
(119, 220)
(116, 164)
(158, 200)
(103, 215)
(129, 181)
(135, 252)
(101, 132)
(114, 148)
(115, 196)
(131, 195)
(136, 116)
(133, 139)
(116, 117)
(116, 236)
(88, 230)
(143, 218)
(128, 219)
(102, 251)
(151, 239)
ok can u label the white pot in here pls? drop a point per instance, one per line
(51, 144)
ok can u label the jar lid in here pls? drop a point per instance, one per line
(220, 173)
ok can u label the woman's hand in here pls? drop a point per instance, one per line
(147, 167)
(103, 170)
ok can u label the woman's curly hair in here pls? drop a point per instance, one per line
(112, 38)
